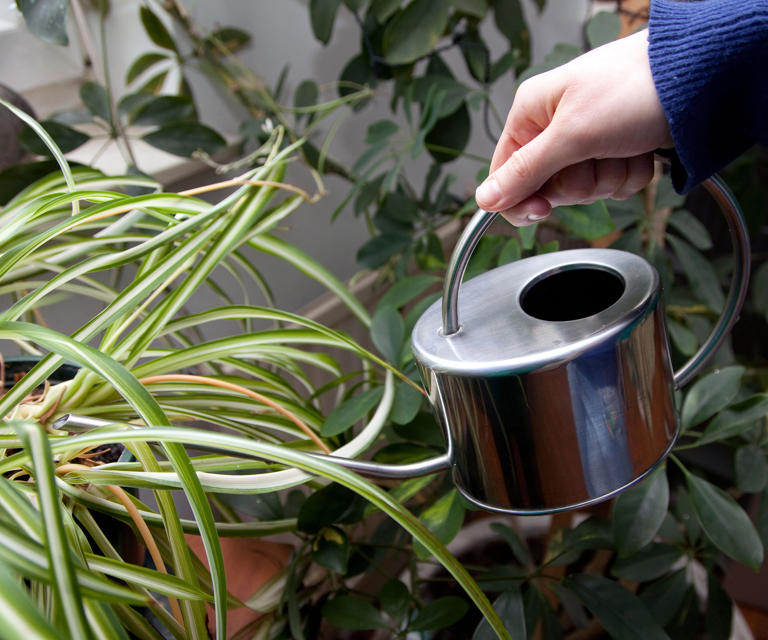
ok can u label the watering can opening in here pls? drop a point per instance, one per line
(573, 293)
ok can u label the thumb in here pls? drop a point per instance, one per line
(527, 169)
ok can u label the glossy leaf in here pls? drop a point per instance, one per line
(407, 404)
(449, 136)
(380, 131)
(682, 337)
(691, 229)
(415, 31)
(96, 100)
(406, 289)
(710, 394)
(358, 72)
(231, 38)
(395, 599)
(665, 596)
(163, 110)
(156, 30)
(751, 468)
(621, 613)
(647, 564)
(444, 518)
(639, 511)
(700, 273)
(350, 411)
(350, 612)
(333, 504)
(439, 613)
(306, 94)
(184, 138)
(383, 9)
(725, 522)
(602, 28)
(46, 19)
(66, 138)
(476, 54)
(510, 20)
(322, 14)
(387, 333)
(378, 250)
(142, 63)
(588, 221)
(515, 542)
(719, 615)
(330, 549)
(736, 419)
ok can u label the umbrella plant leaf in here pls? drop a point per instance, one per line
(710, 394)
(621, 613)
(439, 613)
(163, 110)
(736, 419)
(66, 138)
(751, 468)
(387, 333)
(142, 63)
(726, 524)
(184, 138)
(47, 19)
(415, 31)
(156, 29)
(322, 15)
(443, 518)
(351, 612)
(395, 599)
(350, 411)
(96, 100)
(639, 512)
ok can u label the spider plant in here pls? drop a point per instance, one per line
(200, 416)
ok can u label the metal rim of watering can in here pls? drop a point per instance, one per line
(737, 292)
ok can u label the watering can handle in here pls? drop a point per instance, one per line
(480, 222)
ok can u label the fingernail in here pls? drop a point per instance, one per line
(489, 192)
(535, 217)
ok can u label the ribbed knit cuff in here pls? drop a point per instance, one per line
(708, 63)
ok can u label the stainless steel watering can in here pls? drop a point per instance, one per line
(555, 387)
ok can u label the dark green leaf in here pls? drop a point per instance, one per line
(387, 333)
(725, 522)
(439, 613)
(322, 14)
(509, 606)
(155, 84)
(648, 564)
(751, 468)
(350, 411)
(685, 623)
(639, 512)
(622, 614)
(527, 236)
(510, 252)
(476, 54)
(691, 229)
(475, 8)
(415, 31)
(156, 29)
(395, 599)
(231, 38)
(130, 103)
(422, 428)
(330, 549)
(710, 394)
(664, 597)
(65, 137)
(19, 176)
(46, 19)
(405, 290)
(383, 9)
(449, 136)
(162, 110)
(306, 94)
(736, 419)
(682, 337)
(330, 505)
(407, 404)
(502, 578)
(700, 273)
(355, 5)
(264, 506)
(381, 131)
(510, 20)
(588, 221)
(378, 250)
(350, 612)
(717, 620)
(440, 93)
(503, 65)
(142, 63)
(537, 608)
(762, 518)
(604, 27)
(95, 99)
(184, 138)
(444, 518)
(515, 542)
(360, 73)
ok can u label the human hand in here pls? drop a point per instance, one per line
(579, 133)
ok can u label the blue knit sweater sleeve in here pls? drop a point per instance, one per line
(709, 60)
